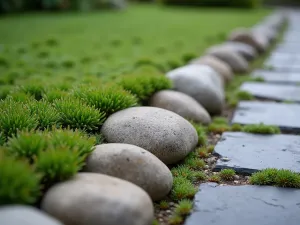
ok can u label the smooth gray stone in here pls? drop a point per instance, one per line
(249, 153)
(279, 92)
(283, 115)
(247, 205)
(25, 215)
(277, 77)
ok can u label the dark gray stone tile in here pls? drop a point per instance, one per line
(278, 77)
(248, 153)
(284, 115)
(247, 205)
(280, 92)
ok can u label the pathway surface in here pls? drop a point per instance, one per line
(248, 153)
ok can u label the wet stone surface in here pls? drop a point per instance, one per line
(283, 115)
(280, 92)
(247, 205)
(278, 77)
(248, 153)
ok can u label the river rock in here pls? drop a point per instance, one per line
(182, 104)
(247, 51)
(25, 215)
(218, 65)
(134, 164)
(165, 134)
(199, 85)
(255, 39)
(237, 63)
(93, 199)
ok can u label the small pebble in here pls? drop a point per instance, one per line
(247, 177)
(160, 219)
(168, 211)
(236, 177)
(206, 167)
(215, 173)
(218, 135)
(171, 203)
(236, 182)
(225, 159)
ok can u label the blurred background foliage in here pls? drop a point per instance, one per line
(8, 6)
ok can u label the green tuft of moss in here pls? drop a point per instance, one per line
(164, 205)
(26, 144)
(57, 165)
(261, 129)
(182, 189)
(15, 116)
(108, 99)
(175, 220)
(144, 86)
(214, 178)
(47, 116)
(227, 174)
(202, 138)
(184, 207)
(19, 184)
(276, 177)
(194, 163)
(77, 115)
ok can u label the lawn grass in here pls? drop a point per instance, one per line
(71, 47)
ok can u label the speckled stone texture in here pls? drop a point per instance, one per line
(134, 164)
(247, 205)
(279, 92)
(165, 134)
(93, 199)
(283, 115)
(278, 77)
(25, 215)
(182, 104)
(248, 153)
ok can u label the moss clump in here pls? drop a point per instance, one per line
(199, 176)
(188, 56)
(175, 220)
(202, 152)
(35, 89)
(47, 116)
(261, 129)
(184, 207)
(15, 116)
(280, 178)
(182, 189)
(194, 163)
(19, 184)
(164, 205)
(53, 94)
(108, 99)
(215, 178)
(77, 115)
(236, 127)
(144, 86)
(218, 125)
(26, 144)
(183, 171)
(202, 138)
(227, 174)
(57, 165)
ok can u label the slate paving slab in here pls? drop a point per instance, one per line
(248, 153)
(280, 92)
(247, 205)
(278, 77)
(283, 115)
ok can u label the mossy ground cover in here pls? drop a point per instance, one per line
(71, 47)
